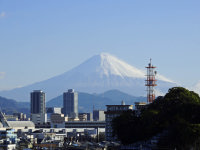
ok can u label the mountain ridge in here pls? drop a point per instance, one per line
(10, 106)
(87, 101)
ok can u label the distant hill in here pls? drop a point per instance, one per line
(87, 101)
(118, 96)
(9, 106)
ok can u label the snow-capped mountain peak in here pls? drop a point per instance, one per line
(111, 65)
(105, 64)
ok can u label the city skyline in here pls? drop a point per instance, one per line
(53, 37)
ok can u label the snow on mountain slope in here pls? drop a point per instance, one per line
(112, 66)
(108, 65)
(96, 75)
(196, 88)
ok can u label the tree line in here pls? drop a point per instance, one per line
(174, 118)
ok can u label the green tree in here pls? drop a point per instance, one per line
(175, 118)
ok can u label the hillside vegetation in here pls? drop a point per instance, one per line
(174, 119)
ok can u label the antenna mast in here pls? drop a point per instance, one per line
(150, 82)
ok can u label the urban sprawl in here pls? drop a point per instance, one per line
(66, 128)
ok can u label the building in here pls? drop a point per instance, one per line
(21, 125)
(90, 117)
(139, 106)
(8, 139)
(98, 115)
(112, 112)
(85, 124)
(70, 104)
(11, 118)
(85, 116)
(15, 117)
(38, 108)
(82, 116)
(52, 110)
(58, 120)
(39, 118)
(20, 116)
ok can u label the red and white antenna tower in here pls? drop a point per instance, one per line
(151, 82)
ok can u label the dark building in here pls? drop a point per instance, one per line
(112, 112)
(38, 108)
(38, 102)
(70, 103)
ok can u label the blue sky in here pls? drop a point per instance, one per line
(41, 39)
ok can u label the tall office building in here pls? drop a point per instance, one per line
(38, 108)
(70, 103)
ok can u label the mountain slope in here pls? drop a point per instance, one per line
(96, 75)
(10, 106)
(118, 96)
(87, 101)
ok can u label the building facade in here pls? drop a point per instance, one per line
(112, 112)
(38, 107)
(70, 104)
(58, 120)
(98, 115)
(8, 139)
(139, 106)
(52, 110)
(85, 116)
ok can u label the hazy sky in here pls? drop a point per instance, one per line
(43, 38)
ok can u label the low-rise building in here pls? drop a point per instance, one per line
(82, 116)
(139, 106)
(39, 118)
(98, 115)
(112, 112)
(11, 118)
(20, 116)
(85, 116)
(58, 120)
(8, 139)
(52, 110)
(21, 124)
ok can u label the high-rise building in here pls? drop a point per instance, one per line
(38, 102)
(70, 104)
(38, 108)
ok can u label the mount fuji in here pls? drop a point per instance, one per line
(98, 74)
